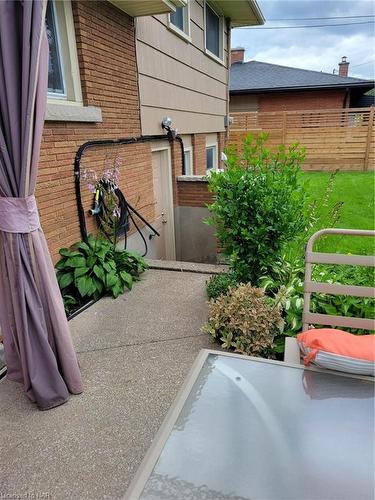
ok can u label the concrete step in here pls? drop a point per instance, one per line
(187, 267)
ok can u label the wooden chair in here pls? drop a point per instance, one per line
(292, 352)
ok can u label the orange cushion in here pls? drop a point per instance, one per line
(338, 350)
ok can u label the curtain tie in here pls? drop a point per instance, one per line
(18, 215)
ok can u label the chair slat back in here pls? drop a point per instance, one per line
(310, 286)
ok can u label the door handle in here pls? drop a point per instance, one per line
(163, 219)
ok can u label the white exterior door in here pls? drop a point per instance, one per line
(164, 221)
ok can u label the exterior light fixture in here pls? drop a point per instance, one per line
(166, 122)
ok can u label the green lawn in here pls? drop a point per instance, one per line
(357, 192)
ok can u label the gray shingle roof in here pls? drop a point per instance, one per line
(254, 76)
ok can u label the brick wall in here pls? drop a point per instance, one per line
(106, 53)
(196, 241)
(289, 101)
(107, 63)
(198, 141)
(193, 193)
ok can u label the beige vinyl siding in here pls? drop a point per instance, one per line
(177, 78)
(160, 66)
(158, 93)
(185, 121)
(197, 13)
(239, 103)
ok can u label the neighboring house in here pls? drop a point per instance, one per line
(117, 68)
(259, 86)
(366, 100)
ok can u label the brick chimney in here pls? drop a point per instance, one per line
(343, 66)
(237, 55)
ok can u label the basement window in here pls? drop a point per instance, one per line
(179, 22)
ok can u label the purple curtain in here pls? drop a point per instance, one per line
(38, 348)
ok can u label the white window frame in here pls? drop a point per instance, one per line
(68, 107)
(67, 52)
(189, 149)
(214, 145)
(219, 59)
(186, 33)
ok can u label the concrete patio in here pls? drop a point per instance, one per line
(134, 353)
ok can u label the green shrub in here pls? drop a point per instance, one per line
(90, 270)
(244, 320)
(219, 284)
(259, 206)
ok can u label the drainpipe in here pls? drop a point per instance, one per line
(180, 141)
(173, 136)
(347, 98)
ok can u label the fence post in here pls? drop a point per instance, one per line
(284, 127)
(368, 140)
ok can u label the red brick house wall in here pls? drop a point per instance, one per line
(198, 143)
(106, 54)
(199, 153)
(290, 101)
(106, 51)
(193, 194)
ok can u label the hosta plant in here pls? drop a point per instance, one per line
(89, 270)
(286, 290)
(244, 320)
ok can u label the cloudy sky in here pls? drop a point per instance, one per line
(319, 49)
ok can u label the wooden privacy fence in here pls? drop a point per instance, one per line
(341, 139)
